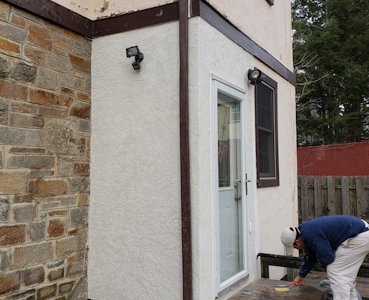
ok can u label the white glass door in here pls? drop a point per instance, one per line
(231, 233)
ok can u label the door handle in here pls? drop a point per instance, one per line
(237, 186)
(246, 182)
(236, 183)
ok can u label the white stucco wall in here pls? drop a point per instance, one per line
(278, 206)
(134, 225)
(134, 229)
(211, 54)
(214, 55)
(269, 26)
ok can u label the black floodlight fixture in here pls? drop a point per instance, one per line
(134, 51)
(255, 76)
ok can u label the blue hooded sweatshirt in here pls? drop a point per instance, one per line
(323, 235)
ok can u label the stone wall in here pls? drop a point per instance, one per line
(44, 158)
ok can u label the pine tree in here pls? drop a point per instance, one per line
(331, 54)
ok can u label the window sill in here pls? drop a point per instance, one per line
(264, 183)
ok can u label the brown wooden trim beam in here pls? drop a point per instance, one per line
(195, 8)
(148, 17)
(136, 20)
(56, 13)
(215, 19)
(185, 152)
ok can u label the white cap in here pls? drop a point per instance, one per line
(288, 236)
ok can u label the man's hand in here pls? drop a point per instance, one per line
(298, 281)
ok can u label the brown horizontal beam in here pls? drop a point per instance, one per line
(210, 15)
(60, 15)
(136, 20)
(56, 13)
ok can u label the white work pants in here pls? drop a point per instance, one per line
(343, 270)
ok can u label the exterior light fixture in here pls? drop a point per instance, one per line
(255, 76)
(134, 51)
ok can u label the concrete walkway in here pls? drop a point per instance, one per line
(265, 289)
(362, 284)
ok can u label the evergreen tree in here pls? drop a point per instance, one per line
(331, 55)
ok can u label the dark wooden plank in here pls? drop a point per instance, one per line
(317, 196)
(324, 191)
(360, 196)
(311, 198)
(338, 189)
(331, 195)
(345, 195)
(304, 198)
(299, 198)
(365, 204)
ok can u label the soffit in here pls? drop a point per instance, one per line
(98, 9)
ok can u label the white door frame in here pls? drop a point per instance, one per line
(237, 94)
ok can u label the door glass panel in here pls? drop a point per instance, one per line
(230, 187)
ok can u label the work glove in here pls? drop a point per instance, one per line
(301, 282)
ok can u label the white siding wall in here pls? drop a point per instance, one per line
(211, 54)
(269, 209)
(134, 226)
(278, 206)
(269, 26)
(134, 229)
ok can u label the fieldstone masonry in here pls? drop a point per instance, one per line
(44, 158)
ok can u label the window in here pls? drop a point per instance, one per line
(266, 133)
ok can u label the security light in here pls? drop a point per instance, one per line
(255, 76)
(134, 51)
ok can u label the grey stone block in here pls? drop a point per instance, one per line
(4, 67)
(31, 162)
(56, 274)
(62, 138)
(12, 136)
(79, 217)
(21, 120)
(24, 72)
(4, 210)
(36, 231)
(80, 184)
(35, 138)
(24, 213)
(3, 112)
(12, 33)
(84, 125)
(65, 287)
(80, 290)
(47, 79)
(34, 275)
(4, 261)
